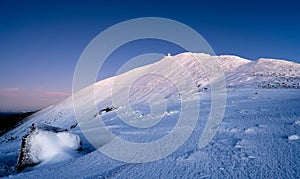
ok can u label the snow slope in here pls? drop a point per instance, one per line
(258, 137)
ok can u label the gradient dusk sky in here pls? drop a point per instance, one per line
(41, 41)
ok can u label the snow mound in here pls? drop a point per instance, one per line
(46, 145)
(297, 122)
(293, 137)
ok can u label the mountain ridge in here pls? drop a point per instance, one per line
(245, 76)
(186, 70)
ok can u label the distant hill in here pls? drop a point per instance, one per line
(10, 120)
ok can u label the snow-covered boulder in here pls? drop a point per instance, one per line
(45, 143)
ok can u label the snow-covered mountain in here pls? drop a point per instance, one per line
(258, 136)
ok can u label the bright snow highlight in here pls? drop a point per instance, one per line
(47, 145)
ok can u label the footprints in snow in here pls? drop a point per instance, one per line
(250, 130)
(294, 136)
(240, 145)
(259, 127)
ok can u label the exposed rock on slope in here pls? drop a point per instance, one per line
(44, 143)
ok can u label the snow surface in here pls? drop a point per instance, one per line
(258, 137)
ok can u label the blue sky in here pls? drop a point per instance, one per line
(41, 41)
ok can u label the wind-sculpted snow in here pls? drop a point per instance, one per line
(46, 143)
(258, 137)
(266, 73)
